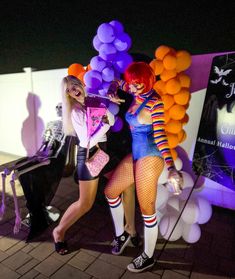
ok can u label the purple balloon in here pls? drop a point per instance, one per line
(96, 43)
(117, 74)
(103, 89)
(107, 52)
(118, 27)
(113, 108)
(122, 60)
(108, 74)
(97, 63)
(106, 85)
(91, 90)
(105, 33)
(122, 42)
(118, 125)
(93, 79)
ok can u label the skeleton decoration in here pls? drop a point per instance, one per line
(52, 142)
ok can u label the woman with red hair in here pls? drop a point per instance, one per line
(150, 150)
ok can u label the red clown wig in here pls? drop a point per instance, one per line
(140, 72)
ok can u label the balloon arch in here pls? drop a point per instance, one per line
(112, 44)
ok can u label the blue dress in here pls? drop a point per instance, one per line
(142, 136)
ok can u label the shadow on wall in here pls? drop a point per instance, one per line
(33, 126)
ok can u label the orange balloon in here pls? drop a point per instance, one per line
(159, 86)
(181, 136)
(184, 79)
(158, 67)
(182, 97)
(183, 60)
(172, 51)
(168, 101)
(88, 67)
(173, 126)
(185, 119)
(75, 69)
(167, 116)
(174, 153)
(173, 86)
(161, 51)
(173, 140)
(152, 64)
(187, 105)
(177, 112)
(81, 76)
(169, 62)
(167, 74)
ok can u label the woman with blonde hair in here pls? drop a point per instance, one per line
(75, 121)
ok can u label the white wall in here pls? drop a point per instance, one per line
(27, 104)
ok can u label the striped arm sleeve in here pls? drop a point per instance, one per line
(156, 107)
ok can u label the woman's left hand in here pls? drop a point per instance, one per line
(175, 181)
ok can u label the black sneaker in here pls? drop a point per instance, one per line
(136, 240)
(141, 263)
(120, 242)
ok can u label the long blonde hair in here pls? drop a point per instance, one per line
(68, 103)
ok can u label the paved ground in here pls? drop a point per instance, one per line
(213, 256)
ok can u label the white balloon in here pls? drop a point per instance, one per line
(191, 233)
(164, 176)
(160, 213)
(178, 163)
(173, 204)
(185, 194)
(162, 197)
(205, 210)
(191, 211)
(166, 225)
(187, 180)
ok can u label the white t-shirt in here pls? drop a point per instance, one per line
(79, 121)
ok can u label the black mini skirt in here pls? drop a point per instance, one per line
(82, 172)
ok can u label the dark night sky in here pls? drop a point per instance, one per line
(54, 34)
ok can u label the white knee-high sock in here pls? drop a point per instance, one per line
(150, 234)
(117, 211)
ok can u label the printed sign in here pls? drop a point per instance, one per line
(214, 154)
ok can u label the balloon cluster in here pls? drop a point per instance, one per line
(112, 44)
(197, 210)
(173, 86)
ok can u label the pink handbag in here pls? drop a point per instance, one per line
(97, 162)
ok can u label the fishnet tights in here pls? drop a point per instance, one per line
(122, 178)
(147, 171)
